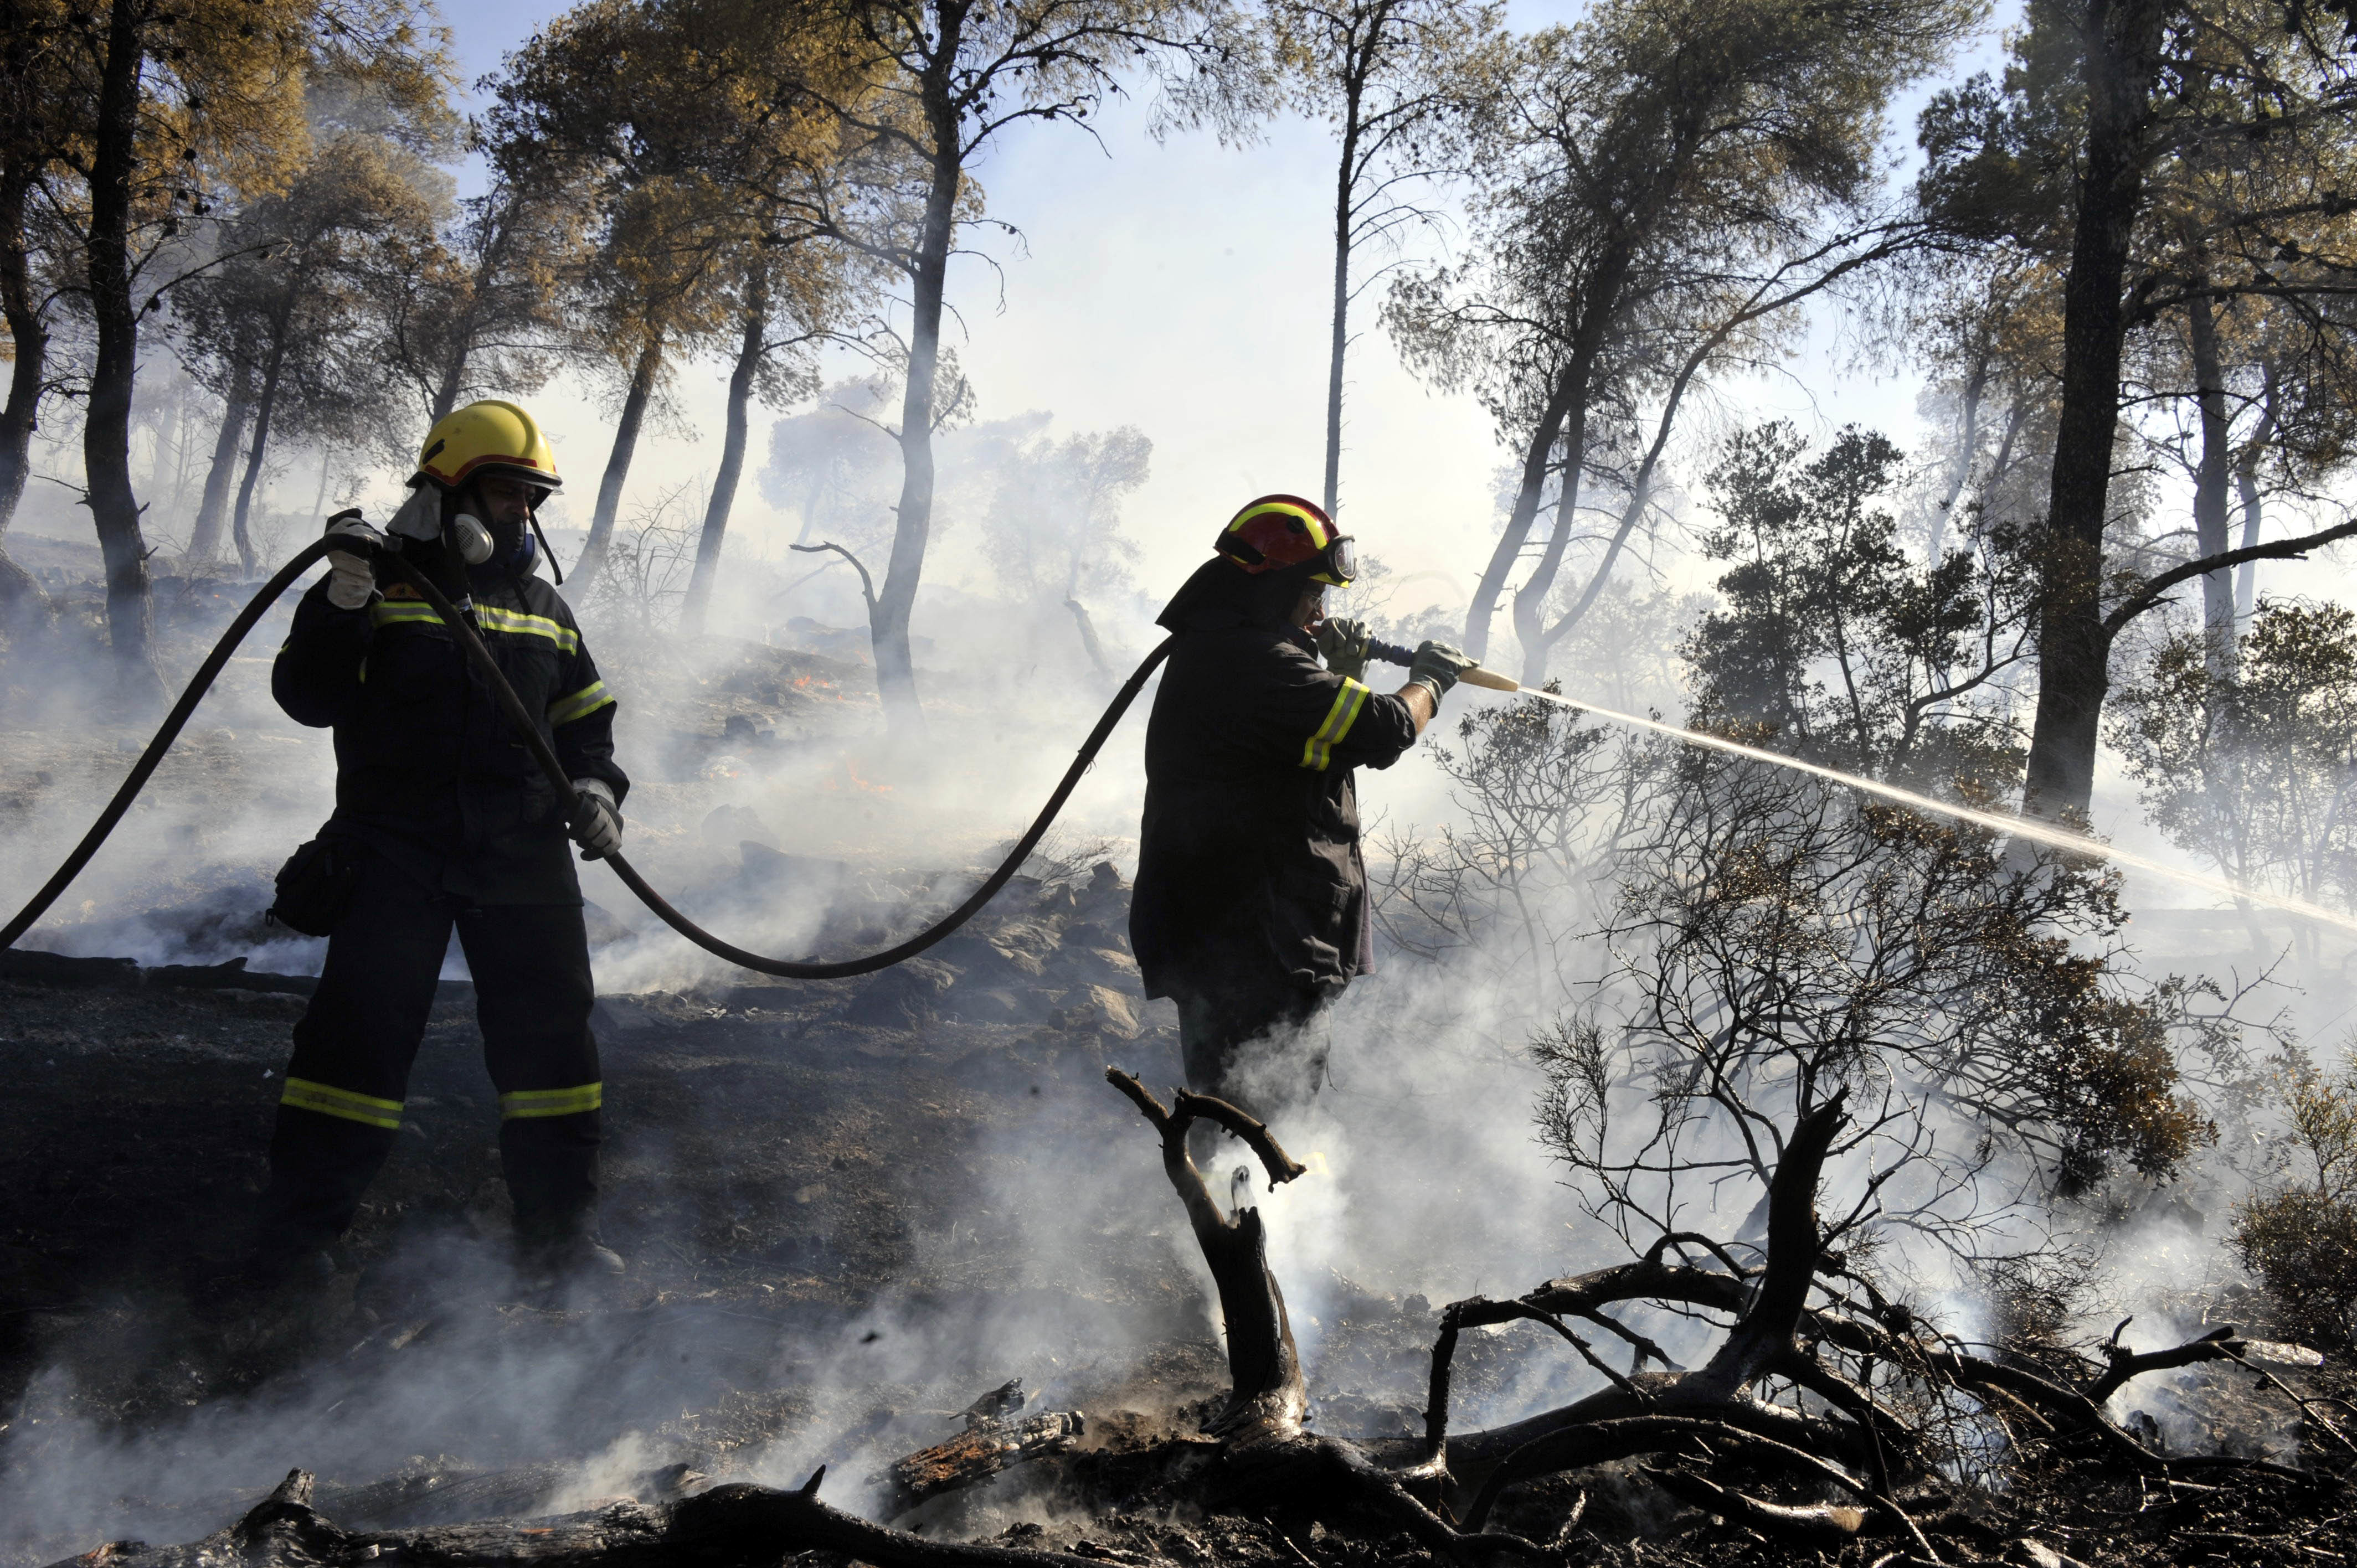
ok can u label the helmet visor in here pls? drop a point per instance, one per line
(1337, 562)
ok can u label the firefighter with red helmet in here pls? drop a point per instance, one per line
(1250, 909)
(443, 821)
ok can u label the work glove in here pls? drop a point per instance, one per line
(1437, 668)
(351, 575)
(596, 819)
(1343, 645)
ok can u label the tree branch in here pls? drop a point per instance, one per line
(866, 584)
(2156, 588)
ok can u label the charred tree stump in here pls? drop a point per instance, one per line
(1267, 1398)
(1260, 1428)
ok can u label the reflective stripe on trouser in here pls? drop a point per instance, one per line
(330, 1100)
(337, 1117)
(551, 1101)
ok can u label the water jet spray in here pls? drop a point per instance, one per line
(2012, 826)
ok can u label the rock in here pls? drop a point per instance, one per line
(905, 997)
(973, 1004)
(1099, 1010)
(725, 825)
(738, 729)
(604, 930)
(981, 961)
(1105, 895)
(1087, 934)
(773, 873)
(67, 973)
(1095, 966)
(2038, 1554)
(1028, 937)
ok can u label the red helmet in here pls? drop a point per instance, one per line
(1277, 532)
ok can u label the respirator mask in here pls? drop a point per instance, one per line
(420, 517)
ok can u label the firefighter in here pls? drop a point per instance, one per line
(443, 821)
(1250, 909)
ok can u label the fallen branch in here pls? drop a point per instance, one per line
(975, 1455)
(734, 1526)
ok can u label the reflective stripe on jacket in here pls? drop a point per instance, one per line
(1249, 874)
(427, 768)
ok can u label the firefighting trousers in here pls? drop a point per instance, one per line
(341, 1106)
(1262, 1048)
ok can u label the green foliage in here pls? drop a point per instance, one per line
(1778, 941)
(2301, 1237)
(2253, 765)
(1054, 522)
(1832, 642)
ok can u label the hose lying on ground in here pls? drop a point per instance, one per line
(527, 726)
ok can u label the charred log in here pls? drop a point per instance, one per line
(987, 1447)
(734, 1526)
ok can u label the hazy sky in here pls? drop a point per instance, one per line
(1182, 288)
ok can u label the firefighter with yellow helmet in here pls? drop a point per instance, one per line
(442, 821)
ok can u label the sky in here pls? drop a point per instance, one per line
(1182, 286)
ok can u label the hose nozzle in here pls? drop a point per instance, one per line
(1393, 653)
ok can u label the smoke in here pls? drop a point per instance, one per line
(770, 806)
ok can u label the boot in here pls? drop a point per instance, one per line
(550, 1266)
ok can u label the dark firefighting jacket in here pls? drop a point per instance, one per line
(428, 769)
(1250, 882)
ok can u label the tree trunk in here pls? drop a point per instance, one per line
(445, 396)
(1508, 547)
(1530, 604)
(1344, 182)
(462, 337)
(617, 462)
(204, 542)
(1567, 411)
(1095, 648)
(732, 454)
(2212, 477)
(106, 428)
(896, 675)
(168, 436)
(2246, 483)
(262, 407)
(2122, 41)
(29, 335)
(1968, 441)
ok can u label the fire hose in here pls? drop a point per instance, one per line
(527, 726)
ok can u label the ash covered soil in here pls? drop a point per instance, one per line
(849, 1211)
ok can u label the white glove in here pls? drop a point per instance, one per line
(351, 576)
(596, 819)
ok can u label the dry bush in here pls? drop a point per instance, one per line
(2300, 1237)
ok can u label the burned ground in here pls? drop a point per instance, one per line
(812, 1200)
(802, 1178)
(848, 1209)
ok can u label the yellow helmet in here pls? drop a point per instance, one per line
(487, 437)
